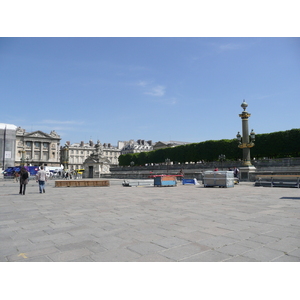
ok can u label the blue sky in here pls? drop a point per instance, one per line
(159, 89)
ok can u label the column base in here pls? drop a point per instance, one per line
(244, 172)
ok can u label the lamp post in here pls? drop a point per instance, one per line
(222, 157)
(246, 142)
(23, 158)
(167, 161)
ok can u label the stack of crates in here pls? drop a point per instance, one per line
(165, 180)
(218, 178)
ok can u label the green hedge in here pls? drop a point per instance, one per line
(274, 145)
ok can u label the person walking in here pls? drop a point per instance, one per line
(41, 178)
(23, 180)
(16, 176)
(182, 175)
(236, 172)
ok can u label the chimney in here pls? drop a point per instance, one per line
(81, 143)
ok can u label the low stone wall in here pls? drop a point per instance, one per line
(287, 166)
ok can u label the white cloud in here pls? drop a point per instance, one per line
(142, 83)
(157, 91)
(229, 46)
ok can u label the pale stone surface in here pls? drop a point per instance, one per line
(148, 224)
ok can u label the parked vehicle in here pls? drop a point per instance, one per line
(53, 171)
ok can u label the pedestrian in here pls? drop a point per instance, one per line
(23, 180)
(181, 173)
(236, 172)
(16, 176)
(41, 178)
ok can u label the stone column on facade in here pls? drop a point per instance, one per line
(47, 151)
(32, 150)
(41, 151)
(55, 151)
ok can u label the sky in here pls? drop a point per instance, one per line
(153, 88)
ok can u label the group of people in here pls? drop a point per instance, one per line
(24, 175)
(235, 170)
(71, 175)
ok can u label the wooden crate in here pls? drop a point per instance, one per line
(81, 183)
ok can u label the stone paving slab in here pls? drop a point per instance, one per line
(182, 252)
(208, 256)
(186, 223)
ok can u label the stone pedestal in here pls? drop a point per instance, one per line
(245, 171)
(94, 168)
(96, 164)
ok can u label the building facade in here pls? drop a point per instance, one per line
(136, 147)
(79, 152)
(7, 145)
(37, 148)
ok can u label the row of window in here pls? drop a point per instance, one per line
(37, 144)
(108, 153)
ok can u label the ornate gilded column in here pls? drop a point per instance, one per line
(245, 143)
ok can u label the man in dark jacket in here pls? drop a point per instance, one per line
(23, 180)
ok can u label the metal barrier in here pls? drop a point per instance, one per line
(278, 181)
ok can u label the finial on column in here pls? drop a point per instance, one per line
(244, 105)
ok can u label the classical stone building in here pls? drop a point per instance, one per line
(37, 148)
(79, 152)
(136, 147)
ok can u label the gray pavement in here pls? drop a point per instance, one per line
(187, 223)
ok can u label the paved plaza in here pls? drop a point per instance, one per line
(186, 223)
